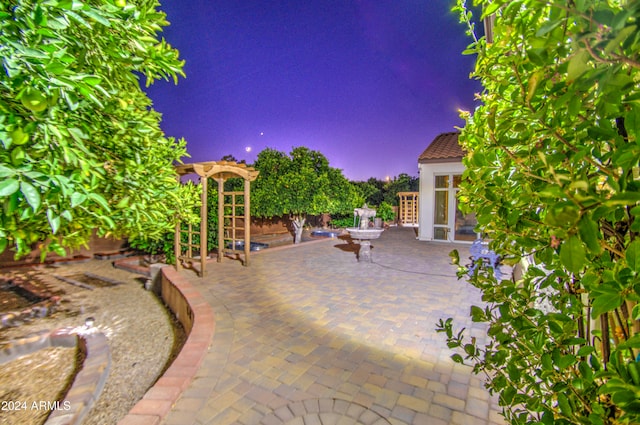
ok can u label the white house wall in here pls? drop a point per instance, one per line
(427, 193)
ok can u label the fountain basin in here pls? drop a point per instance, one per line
(364, 234)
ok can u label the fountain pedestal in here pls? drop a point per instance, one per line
(364, 237)
(363, 234)
(364, 256)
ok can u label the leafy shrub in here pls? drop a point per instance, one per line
(158, 250)
(385, 212)
(553, 175)
(161, 248)
(342, 222)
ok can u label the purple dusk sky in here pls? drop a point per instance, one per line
(369, 83)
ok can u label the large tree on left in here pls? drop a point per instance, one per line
(80, 146)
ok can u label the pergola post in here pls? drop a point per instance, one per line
(203, 226)
(176, 241)
(176, 246)
(220, 218)
(247, 222)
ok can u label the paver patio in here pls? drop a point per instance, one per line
(307, 335)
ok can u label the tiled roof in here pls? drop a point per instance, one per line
(444, 148)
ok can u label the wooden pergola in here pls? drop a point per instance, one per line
(220, 171)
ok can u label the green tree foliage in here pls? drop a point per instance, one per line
(553, 176)
(376, 191)
(161, 248)
(371, 190)
(402, 183)
(299, 184)
(80, 147)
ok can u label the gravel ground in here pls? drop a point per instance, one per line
(26, 382)
(141, 336)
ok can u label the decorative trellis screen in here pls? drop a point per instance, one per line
(408, 208)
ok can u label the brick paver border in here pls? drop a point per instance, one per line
(197, 317)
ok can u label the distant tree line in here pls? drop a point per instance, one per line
(373, 191)
(376, 191)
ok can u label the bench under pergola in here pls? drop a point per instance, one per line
(228, 227)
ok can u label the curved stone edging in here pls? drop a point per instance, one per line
(88, 382)
(198, 320)
(38, 310)
(27, 345)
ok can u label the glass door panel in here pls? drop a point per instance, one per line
(441, 208)
(464, 226)
(464, 223)
(440, 233)
(442, 182)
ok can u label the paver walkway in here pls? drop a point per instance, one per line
(307, 335)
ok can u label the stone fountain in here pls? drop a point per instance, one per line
(362, 233)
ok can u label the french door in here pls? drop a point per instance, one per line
(449, 223)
